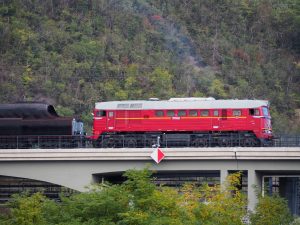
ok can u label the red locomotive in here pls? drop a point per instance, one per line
(182, 122)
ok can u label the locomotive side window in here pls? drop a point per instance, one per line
(110, 114)
(204, 113)
(236, 112)
(170, 113)
(216, 112)
(100, 113)
(159, 113)
(193, 113)
(181, 113)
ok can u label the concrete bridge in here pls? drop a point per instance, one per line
(77, 168)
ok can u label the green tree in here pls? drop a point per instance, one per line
(151, 205)
(271, 210)
(26, 210)
(160, 83)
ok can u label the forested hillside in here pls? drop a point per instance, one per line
(73, 53)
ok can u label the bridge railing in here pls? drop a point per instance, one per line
(44, 142)
(287, 141)
(206, 140)
(143, 141)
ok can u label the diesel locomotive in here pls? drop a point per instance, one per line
(196, 122)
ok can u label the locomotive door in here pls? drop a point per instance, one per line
(216, 120)
(223, 119)
(110, 120)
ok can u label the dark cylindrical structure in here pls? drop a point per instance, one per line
(27, 111)
(32, 119)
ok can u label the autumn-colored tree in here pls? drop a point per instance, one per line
(223, 204)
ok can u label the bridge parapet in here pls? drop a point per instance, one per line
(143, 154)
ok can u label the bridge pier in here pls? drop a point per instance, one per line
(223, 175)
(254, 185)
(254, 188)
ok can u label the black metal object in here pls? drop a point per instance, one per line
(32, 119)
(43, 142)
(27, 111)
(195, 140)
(19, 126)
(136, 140)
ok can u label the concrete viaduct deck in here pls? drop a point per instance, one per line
(78, 168)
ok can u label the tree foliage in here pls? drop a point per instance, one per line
(271, 211)
(27, 210)
(139, 202)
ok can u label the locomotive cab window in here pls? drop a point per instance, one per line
(100, 113)
(181, 113)
(159, 113)
(236, 112)
(170, 113)
(204, 113)
(254, 112)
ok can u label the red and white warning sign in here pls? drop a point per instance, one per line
(157, 155)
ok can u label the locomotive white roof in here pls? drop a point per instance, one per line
(181, 103)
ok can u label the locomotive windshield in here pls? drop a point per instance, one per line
(265, 111)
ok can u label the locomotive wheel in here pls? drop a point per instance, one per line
(224, 142)
(199, 142)
(249, 142)
(131, 143)
(96, 144)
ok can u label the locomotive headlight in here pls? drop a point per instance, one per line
(267, 131)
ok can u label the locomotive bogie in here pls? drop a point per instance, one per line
(147, 140)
